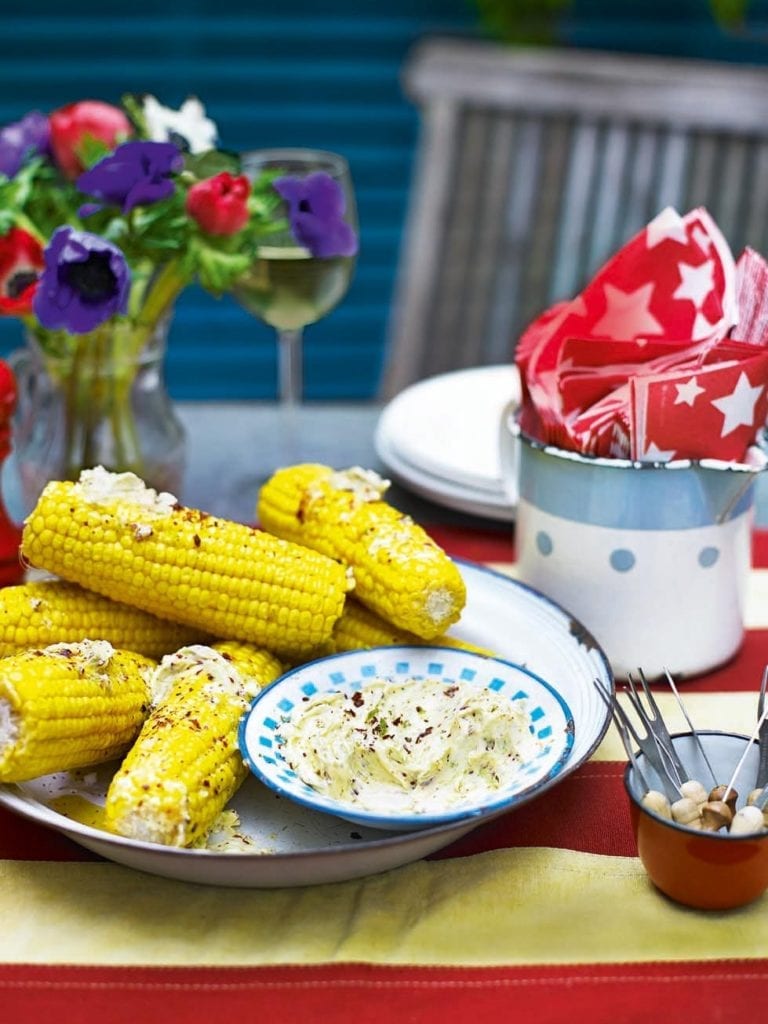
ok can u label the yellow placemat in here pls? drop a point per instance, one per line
(521, 906)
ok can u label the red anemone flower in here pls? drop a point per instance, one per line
(21, 263)
(220, 204)
(71, 125)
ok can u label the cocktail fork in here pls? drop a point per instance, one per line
(647, 744)
(762, 767)
(649, 714)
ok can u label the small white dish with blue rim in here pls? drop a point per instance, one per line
(550, 721)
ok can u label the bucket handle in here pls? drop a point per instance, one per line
(759, 461)
(509, 452)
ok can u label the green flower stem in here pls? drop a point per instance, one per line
(127, 445)
(162, 293)
(94, 376)
(96, 390)
(22, 221)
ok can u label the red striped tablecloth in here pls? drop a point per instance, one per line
(544, 915)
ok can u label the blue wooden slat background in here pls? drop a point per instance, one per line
(301, 73)
(323, 75)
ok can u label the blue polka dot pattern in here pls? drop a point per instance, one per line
(708, 557)
(544, 543)
(622, 560)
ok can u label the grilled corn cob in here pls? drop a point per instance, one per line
(68, 706)
(400, 573)
(111, 534)
(53, 611)
(185, 766)
(358, 628)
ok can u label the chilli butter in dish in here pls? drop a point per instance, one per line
(407, 737)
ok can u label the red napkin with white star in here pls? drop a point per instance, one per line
(664, 354)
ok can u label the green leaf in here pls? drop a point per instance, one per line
(527, 22)
(91, 150)
(729, 13)
(214, 161)
(133, 104)
(217, 271)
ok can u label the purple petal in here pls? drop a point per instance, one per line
(85, 282)
(88, 209)
(18, 140)
(146, 192)
(324, 195)
(290, 188)
(316, 206)
(324, 238)
(137, 173)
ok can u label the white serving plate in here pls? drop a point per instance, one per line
(444, 492)
(440, 438)
(448, 425)
(295, 846)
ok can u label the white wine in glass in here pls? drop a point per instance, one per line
(302, 270)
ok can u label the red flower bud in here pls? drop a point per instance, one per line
(220, 204)
(72, 124)
(21, 263)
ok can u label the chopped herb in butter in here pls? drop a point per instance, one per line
(418, 746)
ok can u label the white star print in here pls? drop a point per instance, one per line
(626, 313)
(654, 454)
(739, 407)
(667, 224)
(688, 393)
(696, 282)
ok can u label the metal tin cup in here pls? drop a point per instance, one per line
(653, 558)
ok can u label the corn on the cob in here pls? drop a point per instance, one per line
(53, 611)
(359, 627)
(185, 766)
(69, 706)
(111, 534)
(399, 571)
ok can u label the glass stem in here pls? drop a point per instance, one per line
(291, 387)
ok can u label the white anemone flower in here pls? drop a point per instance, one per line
(188, 125)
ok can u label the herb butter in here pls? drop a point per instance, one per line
(411, 747)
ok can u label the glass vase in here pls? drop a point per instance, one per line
(96, 399)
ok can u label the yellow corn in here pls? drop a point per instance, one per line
(400, 573)
(359, 627)
(69, 706)
(185, 766)
(111, 534)
(53, 611)
(255, 666)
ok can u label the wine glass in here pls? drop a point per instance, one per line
(303, 269)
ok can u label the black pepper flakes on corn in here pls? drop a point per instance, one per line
(222, 577)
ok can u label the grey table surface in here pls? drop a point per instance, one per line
(234, 446)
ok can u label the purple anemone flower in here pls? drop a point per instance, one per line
(30, 135)
(84, 283)
(136, 174)
(315, 211)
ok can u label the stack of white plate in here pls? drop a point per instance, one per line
(440, 439)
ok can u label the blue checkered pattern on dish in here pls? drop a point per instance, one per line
(550, 720)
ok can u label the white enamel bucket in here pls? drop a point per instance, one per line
(653, 558)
